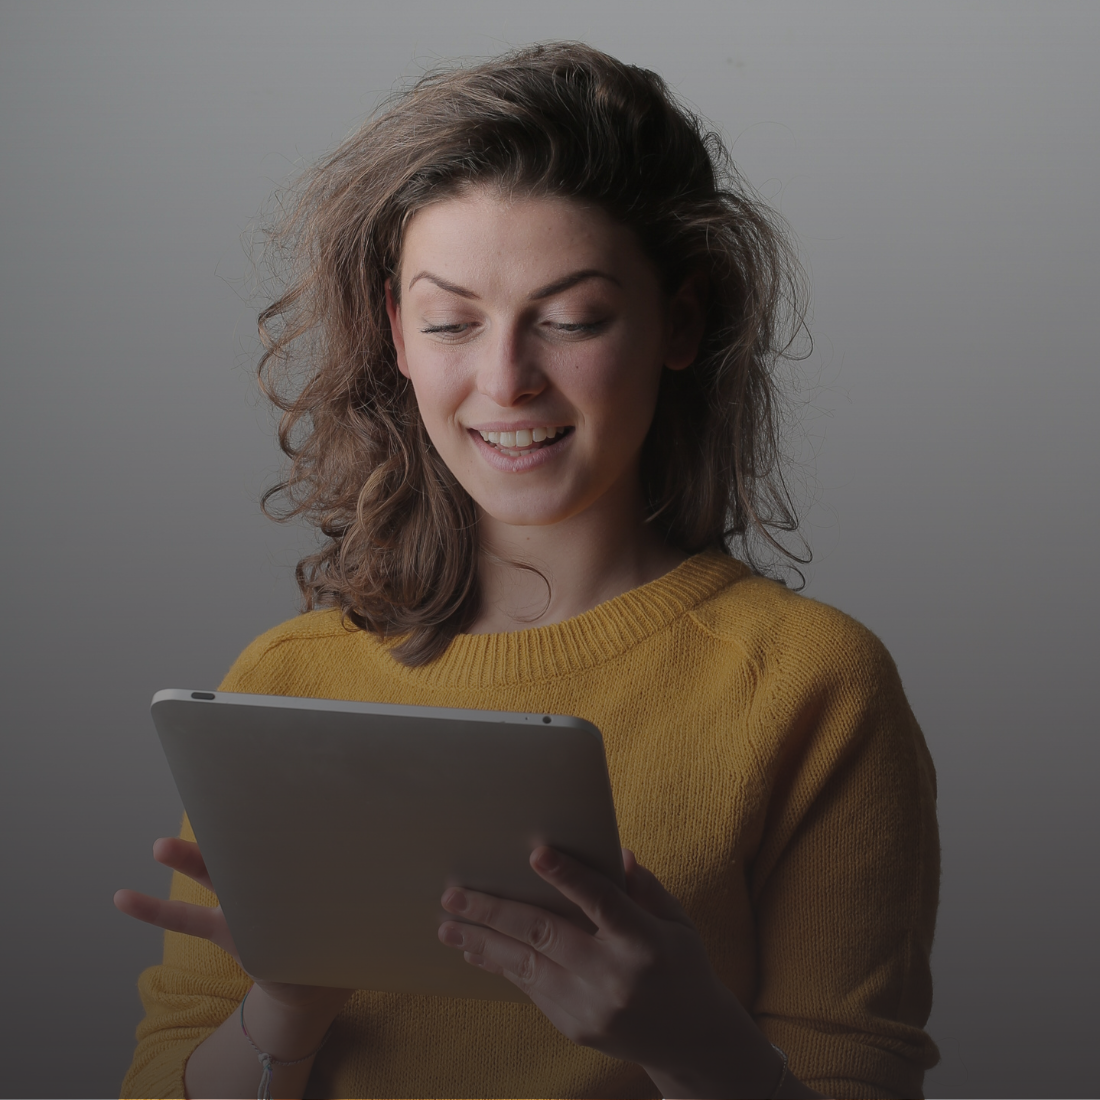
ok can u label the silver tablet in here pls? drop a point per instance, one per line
(330, 829)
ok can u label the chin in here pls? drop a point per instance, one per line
(524, 517)
(524, 512)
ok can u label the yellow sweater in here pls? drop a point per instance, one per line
(765, 765)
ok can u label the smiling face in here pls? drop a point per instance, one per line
(534, 333)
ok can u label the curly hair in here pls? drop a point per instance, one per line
(400, 545)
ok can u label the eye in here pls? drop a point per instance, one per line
(457, 329)
(577, 328)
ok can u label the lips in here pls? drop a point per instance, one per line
(517, 459)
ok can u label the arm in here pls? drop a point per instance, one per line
(226, 1064)
(286, 1021)
(845, 883)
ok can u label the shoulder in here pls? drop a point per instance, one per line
(826, 690)
(790, 637)
(289, 658)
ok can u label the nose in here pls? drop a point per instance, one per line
(509, 374)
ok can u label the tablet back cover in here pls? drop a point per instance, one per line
(330, 829)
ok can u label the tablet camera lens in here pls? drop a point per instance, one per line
(546, 718)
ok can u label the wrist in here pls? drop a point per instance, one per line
(730, 1057)
(733, 1077)
(289, 1032)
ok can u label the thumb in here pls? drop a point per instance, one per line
(645, 889)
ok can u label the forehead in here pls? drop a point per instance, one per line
(482, 239)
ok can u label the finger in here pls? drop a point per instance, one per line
(178, 916)
(556, 937)
(601, 901)
(183, 856)
(482, 963)
(646, 889)
(490, 950)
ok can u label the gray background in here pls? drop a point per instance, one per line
(939, 165)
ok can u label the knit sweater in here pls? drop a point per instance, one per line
(765, 766)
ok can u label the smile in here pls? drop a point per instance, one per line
(523, 441)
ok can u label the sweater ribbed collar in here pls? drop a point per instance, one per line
(585, 641)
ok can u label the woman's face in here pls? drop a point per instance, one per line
(534, 332)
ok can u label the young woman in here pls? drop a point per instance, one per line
(525, 364)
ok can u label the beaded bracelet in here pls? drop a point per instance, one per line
(267, 1061)
(782, 1073)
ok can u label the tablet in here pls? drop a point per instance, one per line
(330, 829)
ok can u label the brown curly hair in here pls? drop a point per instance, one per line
(399, 556)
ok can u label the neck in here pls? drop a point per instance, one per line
(536, 575)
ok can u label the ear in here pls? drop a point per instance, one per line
(393, 311)
(686, 318)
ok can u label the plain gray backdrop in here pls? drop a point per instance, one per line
(939, 166)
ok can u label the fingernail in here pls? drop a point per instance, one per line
(547, 860)
(452, 935)
(455, 900)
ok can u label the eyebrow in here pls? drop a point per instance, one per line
(547, 291)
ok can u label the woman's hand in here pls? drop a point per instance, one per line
(640, 987)
(209, 923)
(287, 1021)
(180, 916)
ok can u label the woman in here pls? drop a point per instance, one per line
(525, 365)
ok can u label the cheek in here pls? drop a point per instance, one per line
(620, 385)
(438, 385)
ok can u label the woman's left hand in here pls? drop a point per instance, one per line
(640, 987)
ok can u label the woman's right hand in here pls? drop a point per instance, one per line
(288, 1021)
(209, 923)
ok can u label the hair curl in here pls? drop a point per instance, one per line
(399, 556)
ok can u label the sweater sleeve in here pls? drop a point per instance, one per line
(846, 878)
(197, 985)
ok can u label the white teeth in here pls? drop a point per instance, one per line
(521, 438)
